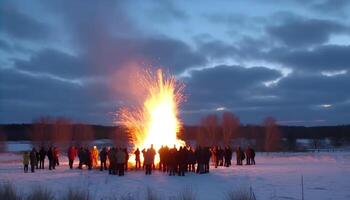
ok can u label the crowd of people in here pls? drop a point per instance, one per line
(36, 159)
(173, 161)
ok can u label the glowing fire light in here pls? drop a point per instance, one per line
(156, 121)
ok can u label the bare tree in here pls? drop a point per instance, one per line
(3, 140)
(61, 131)
(82, 134)
(272, 135)
(230, 126)
(208, 131)
(41, 131)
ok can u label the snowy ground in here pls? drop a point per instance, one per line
(276, 176)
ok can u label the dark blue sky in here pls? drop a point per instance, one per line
(286, 59)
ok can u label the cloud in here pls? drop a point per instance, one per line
(21, 26)
(305, 32)
(322, 58)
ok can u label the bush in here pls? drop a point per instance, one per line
(8, 192)
(241, 194)
(187, 194)
(41, 194)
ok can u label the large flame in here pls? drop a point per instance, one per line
(155, 122)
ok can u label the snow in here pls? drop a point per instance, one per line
(276, 176)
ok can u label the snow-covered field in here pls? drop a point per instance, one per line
(276, 176)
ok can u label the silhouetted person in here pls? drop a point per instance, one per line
(248, 155)
(120, 155)
(50, 157)
(103, 159)
(153, 154)
(239, 155)
(42, 154)
(25, 161)
(81, 156)
(55, 156)
(126, 159)
(33, 160)
(37, 159)
(144, 151)
(228, 156)
(112, 161)
(137, 159)
(148, 162)
(253, 156)
(72, 153)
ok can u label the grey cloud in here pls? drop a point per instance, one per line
(307, 32)
(21, 26)
(327, 57)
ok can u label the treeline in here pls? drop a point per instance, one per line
(211, 131)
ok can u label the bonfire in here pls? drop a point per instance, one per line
(156, 121)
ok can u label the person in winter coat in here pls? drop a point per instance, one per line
(37, 158)
(228, 156)
(72, 153)
(148, 161)
(126, 159)
(33, 160)
(112, 161)
(253, 156)
(137, 159)
(120, 159)
(42, 154)
(50, 157)
(95, 153)
(248, 155)
(239, 155)
(153, 154)
(144, 151)
(56, 154)
(89, 155)
(103, 159)
(25, 161)
(81, 155)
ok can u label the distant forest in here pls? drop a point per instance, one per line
(16, 132)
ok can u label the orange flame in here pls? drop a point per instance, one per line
(156, 121)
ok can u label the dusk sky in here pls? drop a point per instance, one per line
(286, 59)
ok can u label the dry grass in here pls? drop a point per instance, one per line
(187, 194)
(41, 193)
(241, 194)
(8, 192)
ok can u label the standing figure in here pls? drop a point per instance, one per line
(144, 151)
(120, 159)
(253, 156)
(112, 161)
(103, 159)
(81, 155)
(33, 160)
(50, 157)
(37, 158)
(42, 154)
(148, 162)
(239, 155)
(94, 152)
(56, 154)
(152, 154)
(137, 159)
(248, 155)
(25, 161)
(228, 156)
(126, 159)
(172, 161)
(72, 153)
